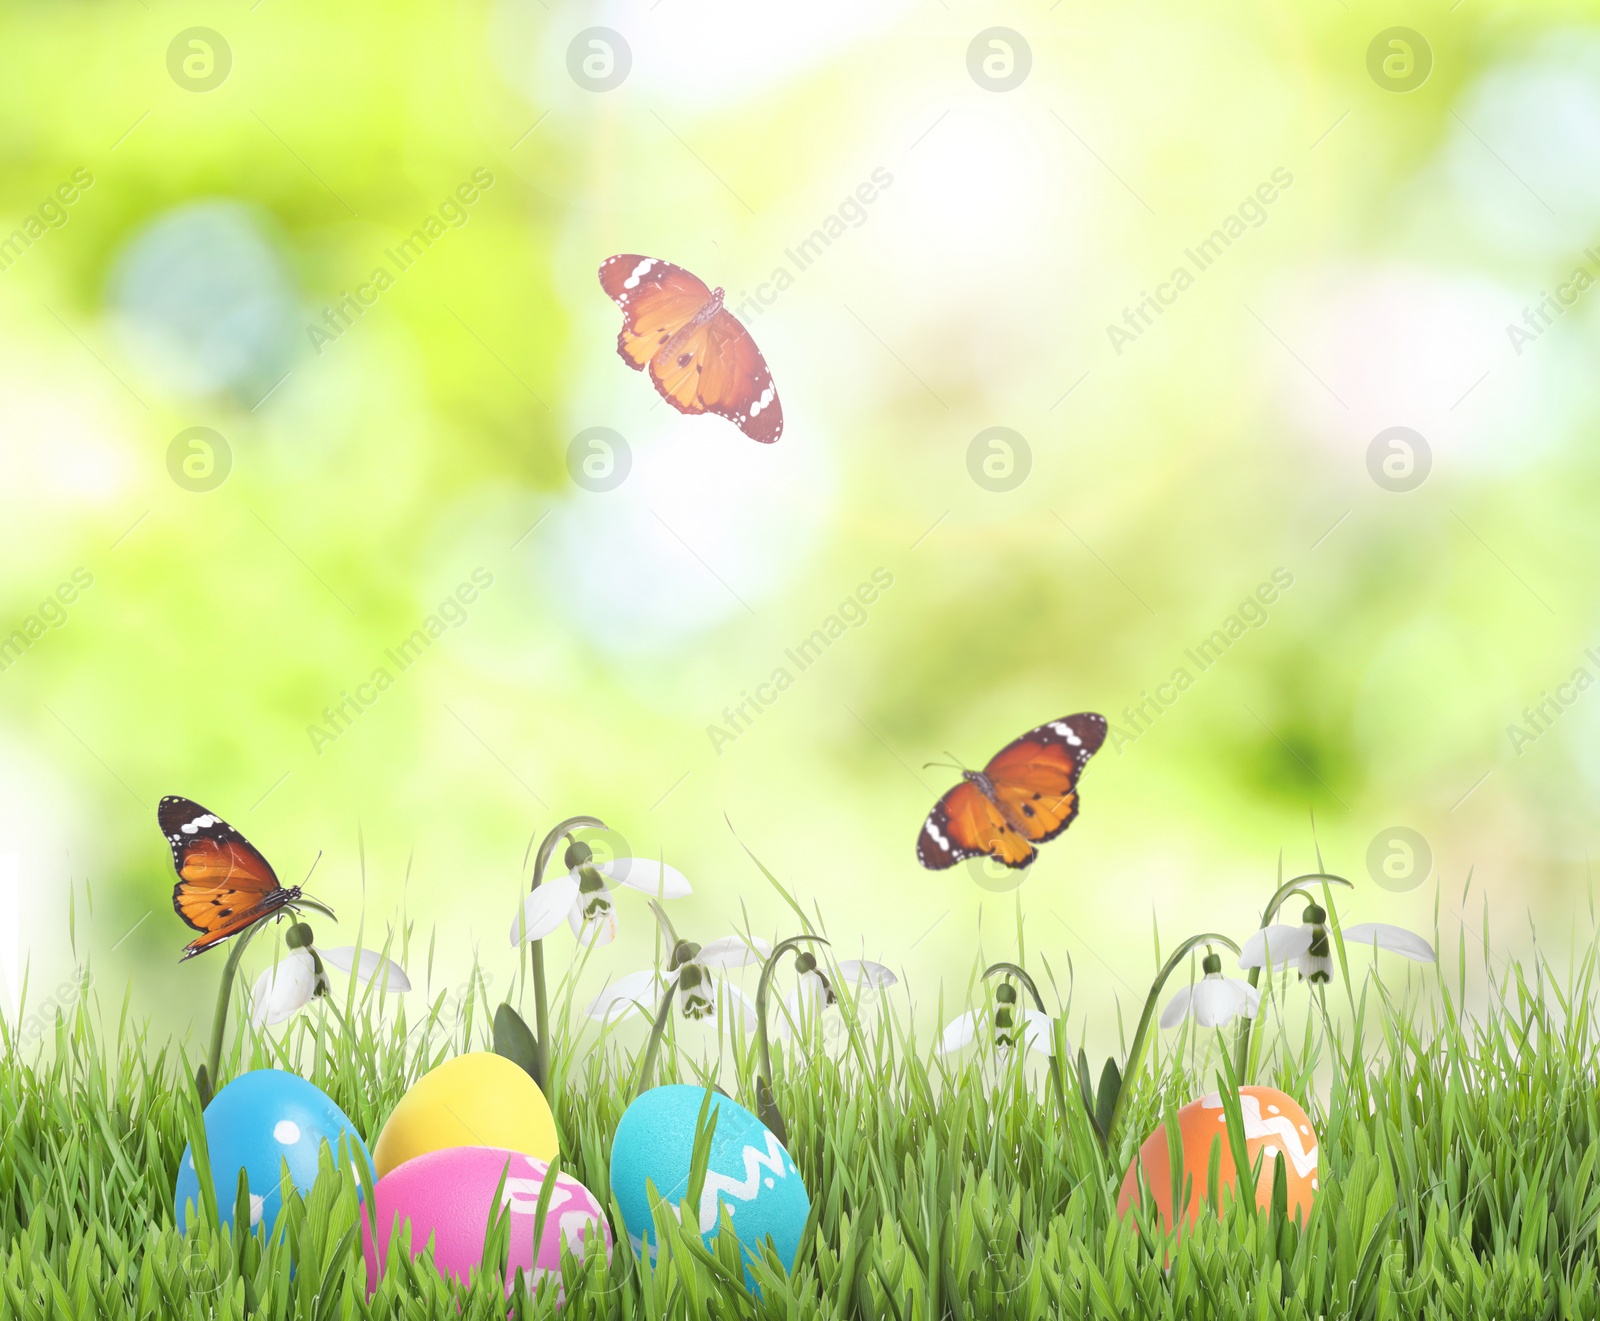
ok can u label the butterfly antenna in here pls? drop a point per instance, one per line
(953, 764)
(314, 862)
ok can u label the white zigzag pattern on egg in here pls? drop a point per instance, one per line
(744, 1189)
(1279, 1126)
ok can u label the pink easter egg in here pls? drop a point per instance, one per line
(448, 1195)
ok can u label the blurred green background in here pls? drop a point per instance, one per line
(247, 177)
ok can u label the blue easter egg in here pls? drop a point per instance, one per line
(749, 1172)
(256, 1123)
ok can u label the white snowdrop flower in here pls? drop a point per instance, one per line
(696, 969)
(297, 979)
(1212, 1001)
(1037, 1028)
(814, 992)
(1309, 948)
(582, 898)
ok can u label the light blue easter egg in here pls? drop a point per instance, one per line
(749, 1172)
(256, 1123)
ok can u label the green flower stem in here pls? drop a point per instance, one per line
(230, 969)
(1279, 898)
(1136, 1051)
(657, 1030)
(1013, 970)
(763, 1047)
(541, 998)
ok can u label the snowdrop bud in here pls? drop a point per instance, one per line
(1006, 993)
(577, 854)
(805, 963)
(299, 936)
(682, 953)
(1314, 915)
(1212, 963)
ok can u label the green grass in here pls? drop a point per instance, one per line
(1458, 1170)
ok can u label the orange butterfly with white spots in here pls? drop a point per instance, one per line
(224, 885)
(1027, 794)
(701, 358)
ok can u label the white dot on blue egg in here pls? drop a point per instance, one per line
(769, 1183)
(287, 1132)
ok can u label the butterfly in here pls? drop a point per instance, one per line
(1027, 794)
(701, 357)
(224, 885)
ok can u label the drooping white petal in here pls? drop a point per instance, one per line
(958, 1032)
(737, 999)
(1252, 999)
(1283, 943)
(543, 909)
(626, 995)
(1216, 1000)
(282, 989)
(807, 1000)
(601, 929)
(654, 878)
(1038, 1032)
(857, 973)
(1397, 940)
(343, 957)
(1316, 967)
(812, 992)
(1177, 1008)
(733, 952)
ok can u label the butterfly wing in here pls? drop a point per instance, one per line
(657, 298)
(715, 368)
(736, 382)
(224, 884)
(1036, 776)
(965, 824)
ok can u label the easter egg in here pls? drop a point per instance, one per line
(1274, 1125)
(448, 1196)
(257, 1123)
(474, 1100)
(749, 1171)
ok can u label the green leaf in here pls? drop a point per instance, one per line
(514, 1040)
(705, 1129)
(1106, 1101)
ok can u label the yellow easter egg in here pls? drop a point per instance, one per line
(474, 1100)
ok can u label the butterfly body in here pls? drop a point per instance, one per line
(700, 357)
(673, 347)
(1025, 796)
(224, 885)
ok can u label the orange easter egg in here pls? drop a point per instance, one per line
(1274, 1124)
